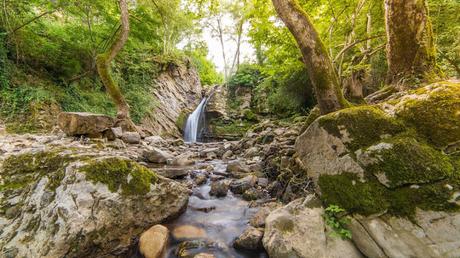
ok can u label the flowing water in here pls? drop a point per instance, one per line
(223, 220)
(195, 123)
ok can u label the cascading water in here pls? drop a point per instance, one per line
(195, 122)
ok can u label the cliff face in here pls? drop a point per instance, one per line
(178, 91)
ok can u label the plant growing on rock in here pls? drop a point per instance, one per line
(333, 216)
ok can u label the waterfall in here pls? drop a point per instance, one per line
(195, 122)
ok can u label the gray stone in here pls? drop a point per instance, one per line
(250, 239)
(131, 137)
(241, 185)
(219, 189)
(155, 155)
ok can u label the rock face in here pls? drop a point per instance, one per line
(88, 124)
(217, 103)
(178, 91)
(298, 230)
(396, 158)
(67, 203)
(152, 242)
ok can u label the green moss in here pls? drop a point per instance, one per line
(181, 120)
(314, 114)
(346, 191)
(363, 125)
(116, 173)
(248, 115)
(22, 170)
(437, 117)
(409, 162)
(237, 128)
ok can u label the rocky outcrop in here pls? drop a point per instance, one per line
(217, 103)
(87, 124)
(178, 92)
(67, 201)
(398, 161)
(298, 230)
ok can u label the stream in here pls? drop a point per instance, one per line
(222, 219)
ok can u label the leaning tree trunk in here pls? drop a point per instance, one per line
(410, 46)
(104, 69)
(322, 74)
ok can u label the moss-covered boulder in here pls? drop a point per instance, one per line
(392, 159)
(65, 203)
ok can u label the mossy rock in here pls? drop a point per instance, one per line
(434, 112)
(360, 126)
(22, 170)
(405, 161)
(182, 120)
(118, 173)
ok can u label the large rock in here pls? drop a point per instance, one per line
(155, 155)
(389, 160)
(298, 231)
(217, 103)
(250, 239)
(152, 242)
(88, 124)
(65, 203)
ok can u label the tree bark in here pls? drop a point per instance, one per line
(410, 46)
(319, 66)
(104, 67)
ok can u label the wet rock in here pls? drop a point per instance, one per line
(253, 194)
(187, 249)
(298, 230)
(241, 185)
(188, 232)
(80, 123)
(131, 137)
(152, 243)
(251, 239)
(200, 179)
(156, 155)
(219, 189)
(204, 209)
(173, 173)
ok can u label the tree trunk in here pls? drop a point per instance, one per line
(104, 69)
(410, 47)
(321, 72)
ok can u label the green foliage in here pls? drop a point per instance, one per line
(247, 76)
(338, 223)
(206, 69)
(4, 63)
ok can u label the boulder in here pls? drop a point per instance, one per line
(152, 243)
(173, 172)
(200, 179)
(155, 155)
(87, 124)
(219, 189)
(131, 137)
(184, 159)
(258, 220)
(241, 185)
(67, 203)
(389, 160)
(298, 230)
(250, 239)
(155, 140)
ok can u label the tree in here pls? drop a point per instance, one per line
(410, 46)
(322, 74)
(104, 69)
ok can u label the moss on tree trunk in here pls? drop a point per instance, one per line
(410, 46)
(104, 61)
(319, 66)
